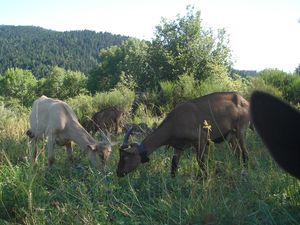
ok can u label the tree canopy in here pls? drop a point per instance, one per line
(180, 46)
(38, 49)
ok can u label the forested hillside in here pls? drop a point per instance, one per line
(38, 49)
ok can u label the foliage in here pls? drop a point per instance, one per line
(122, 98)
(62, 84)
(287, 84)
(221, 82)
(85, 106)
(180, 47)
(275, 77)
(259, 84)
(297, 70)
(293, 89)
(38, 49)
(183, 46)
(187, 87)
(19, 84)
(128, 59)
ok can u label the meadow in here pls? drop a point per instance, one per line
(77, 193)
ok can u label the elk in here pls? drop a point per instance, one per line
(105, 120)
(226, 112)
(55, 120)
(278, 124)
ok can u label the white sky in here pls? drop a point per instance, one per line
(262, 33)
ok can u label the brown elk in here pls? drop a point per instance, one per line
(106, 119)
(226, 112)
(278, 124)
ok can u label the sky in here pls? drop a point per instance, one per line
(262, 33)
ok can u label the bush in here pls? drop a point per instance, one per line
(222, 82)
(258, 83)
(121, 98)
(83, 106)
(19, 84)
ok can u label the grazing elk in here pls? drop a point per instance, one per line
(106, 119)
(55, 120)
(227, 113)
(278, 124)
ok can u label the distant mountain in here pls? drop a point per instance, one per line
(39, 49)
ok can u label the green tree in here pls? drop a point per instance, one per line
(297, 70)
(20, 84)
(288, 84)
(180, 47)
(183, 46)
(74, 83)
(275, 77)
(62, 84)
(52, 84)
(293, 89)
(128, 59)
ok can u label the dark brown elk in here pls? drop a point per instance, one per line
(227, 113)
(278, 124)
(106, 119)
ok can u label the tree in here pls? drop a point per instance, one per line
(297, 70)
(183, 46)
(180, 47)
(20, 84)
(38, 49)
(62, 84)
(128, 59)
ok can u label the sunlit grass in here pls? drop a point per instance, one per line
(76, 193)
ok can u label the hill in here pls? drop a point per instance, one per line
(39, 49)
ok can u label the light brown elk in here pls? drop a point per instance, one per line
(226, 112)
(278, 124)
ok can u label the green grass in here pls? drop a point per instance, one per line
(76, 193)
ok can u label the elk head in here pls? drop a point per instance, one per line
(130, 156)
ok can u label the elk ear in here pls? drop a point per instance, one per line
(92, 147)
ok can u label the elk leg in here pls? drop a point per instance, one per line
(175, 160)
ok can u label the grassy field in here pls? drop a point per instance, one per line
(76, 193)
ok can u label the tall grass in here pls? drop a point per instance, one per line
(76, 193)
